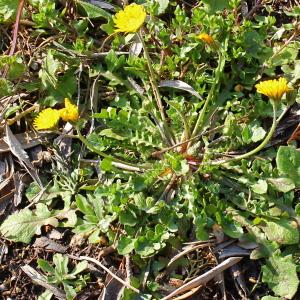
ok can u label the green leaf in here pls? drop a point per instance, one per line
(8, 8)
(260, 187)
(282, 231)
(144, 246)
(93, 11)
(292, 72)
(16, 69)
(163, 5)
(106, 164)
(216, 5)
(48, 73)
(233, 229)
(47, 295)
(61, 264)
(287, 55)
(81, 266)
(282, 184)
(258, 133)
(110, 134)
(70, 291)
(125, 245)
(5, 87)
(270, 298)
(280, 275)
(84, 206)
(128, 217)
(21, 226)
(45, 266)
(288, 163)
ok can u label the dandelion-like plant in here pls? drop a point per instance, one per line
(130, 19)
(47, 119)
(205, 38)
(274, 89)
(70, 112)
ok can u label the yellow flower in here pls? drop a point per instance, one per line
(46, 119)
(206, 38)
(70, 112)
(130, 19)
(274, 89)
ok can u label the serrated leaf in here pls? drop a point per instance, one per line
(288, 163)
(280, 275)
(23, 225)
(144, 247)
(5, 87)
(48, 73)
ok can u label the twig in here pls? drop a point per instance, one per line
(204, 278)
(128, 268)
(188, 250)
(96, 262)
(257, 5)
(39, 279)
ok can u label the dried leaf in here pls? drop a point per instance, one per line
(17, 150)
(181, 85)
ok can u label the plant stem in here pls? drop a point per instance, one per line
(156, 91)
(260, 146)
(221, 63)
(152, 78)
(118, 162)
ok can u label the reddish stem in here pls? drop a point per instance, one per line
(15, 34)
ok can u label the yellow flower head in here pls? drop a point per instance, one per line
(130, 19)
(205, 38)
(46, 119)
(274, 89)
(70, 112)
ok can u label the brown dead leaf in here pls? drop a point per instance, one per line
(17, 150)
(26, 139)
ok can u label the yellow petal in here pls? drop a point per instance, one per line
(205, 38)
(46, 119)
(274, 89)
(130, 19)
(70, 112)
